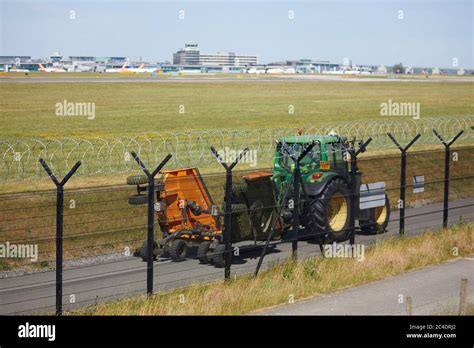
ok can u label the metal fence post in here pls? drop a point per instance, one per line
(403, 175)
(150, 217)
(274, 223)
(296, 194)
(463, 297)
(228, 207)
(447, 154)
(59, 229)
(353, 185)
(296, 208)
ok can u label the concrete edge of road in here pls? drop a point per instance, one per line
(261, 311)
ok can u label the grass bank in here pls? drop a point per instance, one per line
(298, 279)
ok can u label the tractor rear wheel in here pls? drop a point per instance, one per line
(178, 250)
(331, 210)
(379, 218)
(203, 248)
(144, 248)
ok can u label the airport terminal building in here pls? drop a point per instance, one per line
(191, 55)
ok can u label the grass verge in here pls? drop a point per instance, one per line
(298, 279)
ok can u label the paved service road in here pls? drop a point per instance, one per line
(84, 285)
(433, 290)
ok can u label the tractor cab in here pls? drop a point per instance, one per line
(326, 159)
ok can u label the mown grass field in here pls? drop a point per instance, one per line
(131, 109)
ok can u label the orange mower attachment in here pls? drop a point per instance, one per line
(186, 214)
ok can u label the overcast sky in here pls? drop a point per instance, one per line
(418, 33)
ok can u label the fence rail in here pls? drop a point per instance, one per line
(19, 157)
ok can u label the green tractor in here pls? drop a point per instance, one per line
(325, 197)
(263, 206)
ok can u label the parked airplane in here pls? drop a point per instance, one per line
(43, 69)
(274, 71)
(115, 70)
(15, 69)
(256, 71)
(355, 70)
(283, 70)
(125, 70)
(140, 69)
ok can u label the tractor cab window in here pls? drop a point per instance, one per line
(335, 155)
(311, 157)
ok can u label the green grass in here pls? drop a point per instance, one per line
(309, 277)
(124, 109)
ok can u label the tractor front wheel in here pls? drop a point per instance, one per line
(331, 210)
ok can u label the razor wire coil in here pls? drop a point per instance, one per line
(19, 157)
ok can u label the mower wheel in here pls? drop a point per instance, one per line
(203, 248)
(138, 199)
(379, 218)
(143, 250)
(219, 258)
(137, 180)
(178, 250)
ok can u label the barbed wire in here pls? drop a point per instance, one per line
(19, 157)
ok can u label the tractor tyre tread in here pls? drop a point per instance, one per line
(318, 209)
